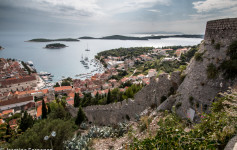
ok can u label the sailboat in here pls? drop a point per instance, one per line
(87, 48)
(82, 58)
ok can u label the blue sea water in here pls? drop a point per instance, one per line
(66, 61)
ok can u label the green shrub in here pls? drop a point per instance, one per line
(162, 99)
(230, 66)
(198, 56)
(212, 41)
(153, 106)
(197, 104)
(205, 107)
(34, 137)
(217, 46)
(172, 91)
(127, 117)
(178, 105)
(212, 71)
(191, 100)
(145, 121)
(182, 77)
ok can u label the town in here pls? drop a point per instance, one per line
(22, 89)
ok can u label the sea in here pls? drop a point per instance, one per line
(65, 62)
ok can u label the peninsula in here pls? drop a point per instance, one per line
(121, 37)
(53, 40)
(55, 46)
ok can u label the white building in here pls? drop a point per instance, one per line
(112, 64)
(152, 73)
(15, 102)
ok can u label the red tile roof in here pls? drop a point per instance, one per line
(124, 79)
(16, 100)
(71, 94)
(45, 91)
(17, 80)
(1, 121)
(39, 111)
(70, 102)
(8, 111)
(62, 88)
(24, 92)
(13, 122)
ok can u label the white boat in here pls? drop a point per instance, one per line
(87, 48)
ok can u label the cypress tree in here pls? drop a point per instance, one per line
(49, 109)
(76, 100)
(97, 96)
(80, 116)
(44, 110)
(8, 133)
(109, 98)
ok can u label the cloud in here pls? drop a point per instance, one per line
(85, 9)
(154, 10)
(210, 5)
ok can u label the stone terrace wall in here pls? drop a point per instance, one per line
(119, 112)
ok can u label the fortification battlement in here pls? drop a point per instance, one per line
(220, 29)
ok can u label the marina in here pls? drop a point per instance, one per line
(90, 63)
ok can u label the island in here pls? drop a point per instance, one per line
(1, 48)
(53, 40)
(55, 46)
(121, 37)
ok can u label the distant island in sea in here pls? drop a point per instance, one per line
(55, 46)
(121, 37)
(1, 48)
(53, 40)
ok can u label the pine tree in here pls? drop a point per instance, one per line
(80, 116)
(26, 122)
(57, 85)
(44, 110)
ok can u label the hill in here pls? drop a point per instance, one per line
(53, 40)
(121, 37)
(55, 46)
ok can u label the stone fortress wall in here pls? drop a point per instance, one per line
(129, 109)
(195, 85)
(224, 30)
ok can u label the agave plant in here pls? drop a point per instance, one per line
(81, 142)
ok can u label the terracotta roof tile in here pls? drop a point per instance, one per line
(39, 111)
(16, 100)
(62, 88)
(5, 112)
(17, 80)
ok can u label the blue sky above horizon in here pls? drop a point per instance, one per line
(106, 17)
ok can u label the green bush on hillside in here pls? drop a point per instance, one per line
(198, 56)
(212, 71)
(230, 66)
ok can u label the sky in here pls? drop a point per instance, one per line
(107, 17)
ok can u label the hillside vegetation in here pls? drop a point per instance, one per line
(213, 132)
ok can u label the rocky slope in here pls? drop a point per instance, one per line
(204, 78)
